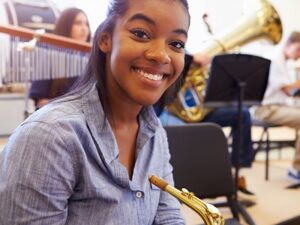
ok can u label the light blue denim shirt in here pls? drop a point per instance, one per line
(61, 166)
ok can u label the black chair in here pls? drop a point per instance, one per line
(292, 221)
(266, 144)
(200, 157)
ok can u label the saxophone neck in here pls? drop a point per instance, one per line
(209, 213)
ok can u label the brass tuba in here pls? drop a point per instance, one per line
(262, 23)
(209, 213)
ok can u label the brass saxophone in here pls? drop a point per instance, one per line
(262, 23)
(209, 213)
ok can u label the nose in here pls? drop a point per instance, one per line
(158, 52)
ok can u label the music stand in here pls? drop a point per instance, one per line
(240, 80)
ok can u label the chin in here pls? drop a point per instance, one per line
(148, 101)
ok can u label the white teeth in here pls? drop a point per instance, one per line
(150, 76)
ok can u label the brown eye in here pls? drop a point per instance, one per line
(139, 33)
(178, 44)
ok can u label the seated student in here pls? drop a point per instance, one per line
(223, 116)
(72, 23)
(85, 158)
(279, 105)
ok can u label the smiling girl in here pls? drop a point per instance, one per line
(85, 158)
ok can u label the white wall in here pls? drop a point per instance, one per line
(220, 17)
(12, 107)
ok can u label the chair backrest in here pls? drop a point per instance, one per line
(200, 157)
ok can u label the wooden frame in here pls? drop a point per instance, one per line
(53, 39)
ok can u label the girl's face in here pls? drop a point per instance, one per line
(145, 53)
(80, 29)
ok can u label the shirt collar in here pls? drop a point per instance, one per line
(101, 130)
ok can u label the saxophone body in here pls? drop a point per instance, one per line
(264, 23)
(209, 213)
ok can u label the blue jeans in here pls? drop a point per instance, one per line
(225, 116)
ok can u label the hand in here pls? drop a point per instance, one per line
(292, 89)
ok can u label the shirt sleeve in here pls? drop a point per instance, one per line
(279, 76)
(169, 207)
(37, 176)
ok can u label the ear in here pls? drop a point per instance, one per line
(104, 42)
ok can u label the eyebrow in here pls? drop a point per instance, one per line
(140, 16)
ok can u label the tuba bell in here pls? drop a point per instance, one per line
(262, 23)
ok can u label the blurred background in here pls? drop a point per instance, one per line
(209, 19)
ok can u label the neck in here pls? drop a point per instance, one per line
(122, 113)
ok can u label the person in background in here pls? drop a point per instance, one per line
(85, 157)
(72, 23)
(223, 116)
(279, 103)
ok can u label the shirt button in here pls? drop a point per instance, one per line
(138, 194)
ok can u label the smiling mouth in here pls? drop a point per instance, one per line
(149, 76)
